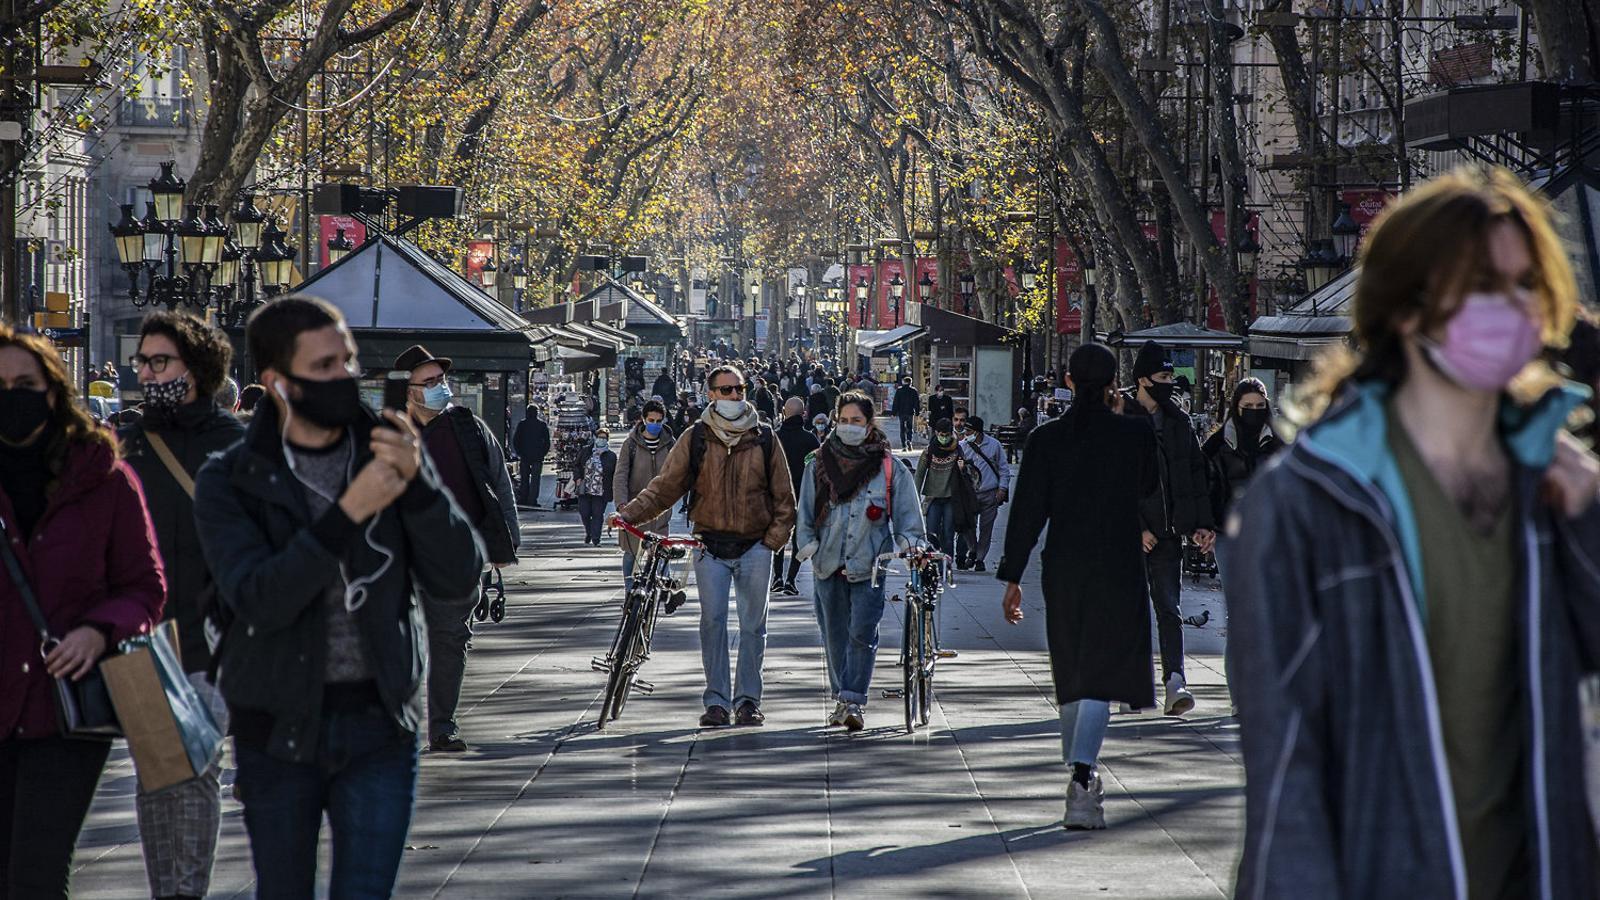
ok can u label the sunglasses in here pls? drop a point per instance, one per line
(728, 390)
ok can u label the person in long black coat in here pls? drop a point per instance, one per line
(1083, 475)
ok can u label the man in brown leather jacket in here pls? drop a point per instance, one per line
(741, 504)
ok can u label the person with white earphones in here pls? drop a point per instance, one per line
(320, 528)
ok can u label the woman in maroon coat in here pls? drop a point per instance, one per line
(74, 516)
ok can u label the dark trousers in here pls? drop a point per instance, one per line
(449, 629)
(592, 510)
(941, 519)
(46, 786)
(529, 473)
(1164, 566)
(908, 430)
(364, 778)
(793, 552)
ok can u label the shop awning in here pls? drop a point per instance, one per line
(874, 342)
(1179, 335)
(954, 329)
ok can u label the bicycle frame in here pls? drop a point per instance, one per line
(929, 571)
(653, 587)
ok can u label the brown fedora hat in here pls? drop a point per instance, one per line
(416, 355)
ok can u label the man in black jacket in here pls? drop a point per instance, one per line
(907, 403)
(473, 469)
(799, 441)
(180, 363)
(320, 528)
(941, 405)
(665, 388)
(1181, 507)
(532, 444)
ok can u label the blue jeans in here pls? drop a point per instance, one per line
(748, 577)
(364, 778)
(848, 613)
(1083, 730)
(941, 520)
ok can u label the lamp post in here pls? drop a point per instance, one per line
(181, 255)
(897, 289)
(861, 300)
(969, 287)
(1321, 264)
(339, 246)
(1346, 233)
(519, 282)
(925, 288)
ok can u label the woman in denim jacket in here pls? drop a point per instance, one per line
(850, 513)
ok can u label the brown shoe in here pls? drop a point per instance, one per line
(748, 714)
(714, 717)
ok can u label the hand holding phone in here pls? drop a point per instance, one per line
(396, 390)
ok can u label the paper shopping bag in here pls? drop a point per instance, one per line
(171, 733)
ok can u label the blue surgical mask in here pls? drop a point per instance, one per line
(436, 397)
(652, 428)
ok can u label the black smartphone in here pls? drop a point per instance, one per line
(396, 389)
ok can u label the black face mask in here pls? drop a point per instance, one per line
(328, 404)
(1251, 421)
(1160, 393)
(22, 410)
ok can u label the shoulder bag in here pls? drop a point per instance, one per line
(83, 707)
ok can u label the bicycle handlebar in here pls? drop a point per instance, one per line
(648, 537)
(880, 563)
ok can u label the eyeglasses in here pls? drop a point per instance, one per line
(157, 363)
(435, 381)
(728, 390)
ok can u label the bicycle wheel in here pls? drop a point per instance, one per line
(638, 651)
(621, 660)
(909, 661)
(930, 658)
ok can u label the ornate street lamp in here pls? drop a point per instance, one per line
(861, 299)
(1346, 233)
(1028, 275)
(519, 282)
(969, 288)
(1090, 276)
(339, 246)
(247, 223)
(1247, 251)
(128, 233)
(166, 190)
(925, 287)
(490, 274)
(1321, 264)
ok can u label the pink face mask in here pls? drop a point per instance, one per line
(1486, 343)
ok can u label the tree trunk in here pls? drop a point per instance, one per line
(1234, 295)
(1569, 38)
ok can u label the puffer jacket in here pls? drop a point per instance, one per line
(743, 491)
(849, 538)
(637, 466)
(91, 560)
(1348, 790)
(194, 432)
(1183, 503)
(1232, 467)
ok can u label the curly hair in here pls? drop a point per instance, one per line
(70, 422)
(204, 349)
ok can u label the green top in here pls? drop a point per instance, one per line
(1470, 600)
(933, 476)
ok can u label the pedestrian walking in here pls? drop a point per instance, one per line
(799, 442)
(472, 468)
(907, 403)
(855, 503)
(741, 503)
(945, 487)
(817, 402)
(320, 528)
(1084, 476)
(532, 444)
(179, 363)
(1244, 443)
(665, 388)
(596, 470)
(1180, 506)
(77, 554)
(941, 406)
(764, 402)
(1415, 582)
(643, 456)
(992, 474)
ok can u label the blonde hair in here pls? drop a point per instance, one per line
(1418, 261)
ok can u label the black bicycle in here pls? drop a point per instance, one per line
(919, 647)
(654, 591)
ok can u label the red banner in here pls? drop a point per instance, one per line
(1365, 206)
(328, 228)
(478, 253)
(1069, 290)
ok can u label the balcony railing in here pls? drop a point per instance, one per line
(154, 112)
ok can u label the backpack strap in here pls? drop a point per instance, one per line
(888, 486)
(164, 453)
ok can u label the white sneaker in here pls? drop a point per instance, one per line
(1126, 709)
(836, 718)
(1085, 806)
(1179, 700)
(853, 718)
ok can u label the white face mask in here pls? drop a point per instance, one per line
(730, 409)
(851, 435)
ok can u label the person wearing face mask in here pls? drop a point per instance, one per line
(991, 475)
(905, 406)
(1181, 505)
(799, 442)
(321, 528)
(1429, 547)
(741, 505)
(1242, 445)
(596, 470)
(940, 470)
(76, 532)
(820, 425)
(941, 405)
(644, 454)
(472, 466)
(856, 502)
(180, 363)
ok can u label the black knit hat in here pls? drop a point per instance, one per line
(1092, 367)
(1152, 358)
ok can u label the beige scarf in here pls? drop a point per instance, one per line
(730, 431)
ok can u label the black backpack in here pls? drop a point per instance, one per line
(697, 453)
